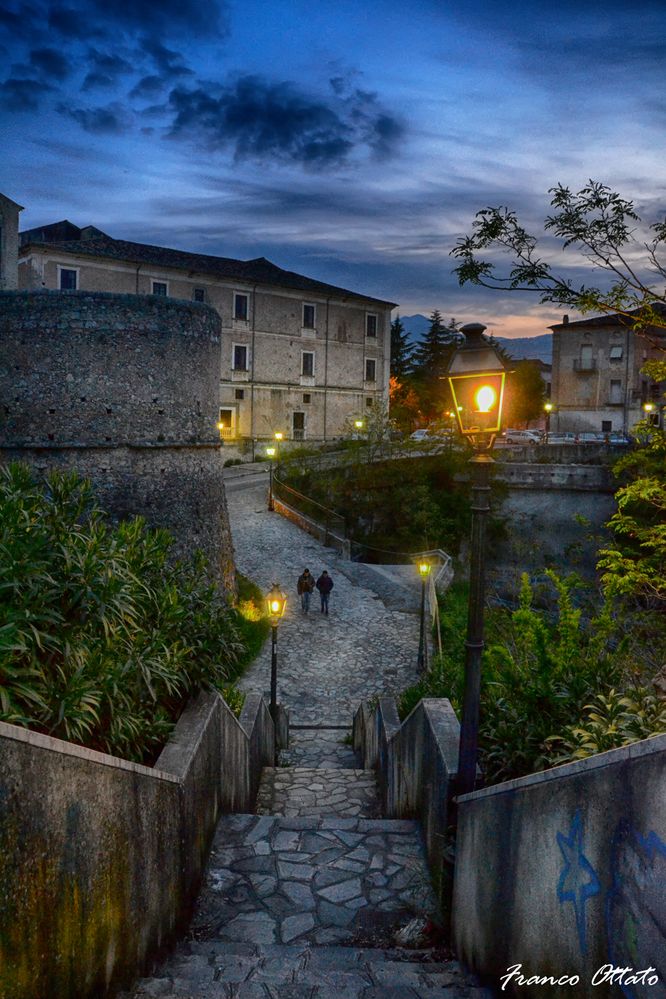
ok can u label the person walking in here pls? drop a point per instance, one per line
(324, 585)
(305, 586)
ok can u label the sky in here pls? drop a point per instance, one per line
(352, 142)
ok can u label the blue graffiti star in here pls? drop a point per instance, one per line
(578, 880)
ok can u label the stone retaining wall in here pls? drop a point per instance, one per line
(101, 859)
(416, 761)
(564, 873)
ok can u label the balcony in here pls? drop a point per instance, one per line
(584, 366)
(227, 433)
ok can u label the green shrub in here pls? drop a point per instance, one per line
(102, 637)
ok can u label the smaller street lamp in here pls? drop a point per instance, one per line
(276, 604)
(424, 572)
(278, 435)
(270, 451)
(548, 409)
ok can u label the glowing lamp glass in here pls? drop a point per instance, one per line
(270, 451)
(278, 435)
(276, 602)
(486, 398)
(424, 568)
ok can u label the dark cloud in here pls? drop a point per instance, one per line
(274, 121)
(105, 68)
(22, 94)
(148, 88)
(168, 62)
(50, 63)
(111, 120)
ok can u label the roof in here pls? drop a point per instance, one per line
(61, 236)
(614, 319)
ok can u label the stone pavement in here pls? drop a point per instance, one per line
(327, 665)
(328, 748)
(306, 791)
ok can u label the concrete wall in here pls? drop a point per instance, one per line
(9, 239)
(565, 872)
(125, 390)
(101, 859)
(416, 761)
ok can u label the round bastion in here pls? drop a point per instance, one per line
(124, 389)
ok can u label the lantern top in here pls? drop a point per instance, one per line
(477, 354)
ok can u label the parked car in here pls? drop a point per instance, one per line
(591, 438)
(563, 438)
(618, 439)
(420, 435)
(522, 436)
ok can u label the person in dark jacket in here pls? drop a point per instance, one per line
(305, 586)
(324, 585)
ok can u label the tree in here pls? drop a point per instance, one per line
(431, 361)
(404, 405)
(525, 393)
(594, 221)
(401, 350)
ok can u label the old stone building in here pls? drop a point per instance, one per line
(597, 384)
(298, 355)
(9, 240)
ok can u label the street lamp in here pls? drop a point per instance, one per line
(270, 451)
(278, 437)
(548, 409)
(424, 572)
(476, 378)
(276, 603)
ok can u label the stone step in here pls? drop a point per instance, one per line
(310, 791)
(322, 746)
(237, 971)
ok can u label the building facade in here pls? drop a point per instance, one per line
(298, 355)
(597, 384)
(9, 240)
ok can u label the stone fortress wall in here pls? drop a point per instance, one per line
(125, 389)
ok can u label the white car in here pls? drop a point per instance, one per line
(419, 435)
(522, 436)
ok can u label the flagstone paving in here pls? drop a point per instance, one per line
(310, 791)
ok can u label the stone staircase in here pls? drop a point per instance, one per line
(301, 900)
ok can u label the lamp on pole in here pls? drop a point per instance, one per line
(548, 409)
(476, 378)
(270, 451)
(424, 572)
(276, 603)
(278, 435)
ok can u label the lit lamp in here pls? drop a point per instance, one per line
(424, 572)
(278, 437)
(276, 604)
(270, 451)
(476, 378)
(548, 409)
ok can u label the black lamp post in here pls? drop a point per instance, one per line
(276, 603)
(548, 409)
(424, 573)
(476, 377)
(270, 451)
(278, 437)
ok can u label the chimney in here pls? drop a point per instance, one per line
(565, 319)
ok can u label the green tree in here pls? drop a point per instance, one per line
(401, 351)
(525, 393)
(595, 222)
(431, 361)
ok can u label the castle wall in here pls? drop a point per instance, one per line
(125, 389)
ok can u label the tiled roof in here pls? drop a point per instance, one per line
(614, 319)
(260, 270)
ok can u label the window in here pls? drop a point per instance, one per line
(370, 369)
(240, 357)
(616, 353)
(309, 317)
(371, 324)
(240, 393)
(199, 295)
(606, 425)
(368, 401)
(615, 390)
(241, 310)
(160, 288)
(307, 363)
(307, 397)
(298, 426)
(68, 279)
(226, 419)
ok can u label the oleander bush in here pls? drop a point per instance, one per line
(102, 636)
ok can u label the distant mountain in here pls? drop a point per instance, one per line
(540, 347)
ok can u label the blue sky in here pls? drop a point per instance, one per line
(351, 142)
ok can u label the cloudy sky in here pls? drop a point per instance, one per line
(351, 141)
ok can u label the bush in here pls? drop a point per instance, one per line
(103, 638)
(548, 678)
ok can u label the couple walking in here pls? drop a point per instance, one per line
(306, 585)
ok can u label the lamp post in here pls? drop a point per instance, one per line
(548, 409)
(276, 603)
(278, 435)
(424, 573)
(476, 378)
(270, 451)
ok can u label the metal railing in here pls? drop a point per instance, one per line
(331, 522)
(581, 364)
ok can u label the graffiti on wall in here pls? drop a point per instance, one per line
(578, 880)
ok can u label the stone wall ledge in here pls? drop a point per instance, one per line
(110, 446)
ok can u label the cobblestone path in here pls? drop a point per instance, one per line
(327, 665)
